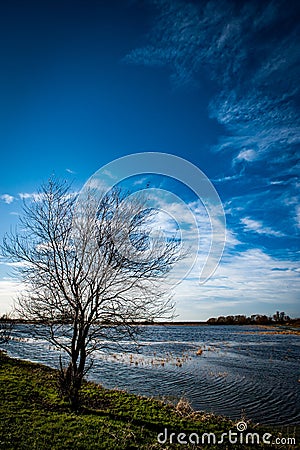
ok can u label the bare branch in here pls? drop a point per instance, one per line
(91, 270)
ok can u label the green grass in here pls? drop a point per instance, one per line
(33, 416)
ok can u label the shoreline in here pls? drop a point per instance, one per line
(294, 323)
(32, 411)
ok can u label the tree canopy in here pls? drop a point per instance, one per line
(91, 271)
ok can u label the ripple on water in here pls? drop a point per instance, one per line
(236, 372)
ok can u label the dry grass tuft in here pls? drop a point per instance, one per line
(184, 407)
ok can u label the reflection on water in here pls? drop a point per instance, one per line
(236, 372)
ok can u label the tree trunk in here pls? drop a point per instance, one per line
(70, 381)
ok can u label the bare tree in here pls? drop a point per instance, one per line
(91, 272)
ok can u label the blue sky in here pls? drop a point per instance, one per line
(214, 82)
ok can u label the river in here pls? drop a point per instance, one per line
(238, 371)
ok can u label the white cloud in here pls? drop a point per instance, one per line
(247, 155)
(95, 184)
(37, 197)
(277, 182)
(9, 290)
(14, 264)
(7, 198)
(244, 283)
(256, 95)
(140, 181)
(109, 174)
(258, 227)
(227, 178)
(70, 171)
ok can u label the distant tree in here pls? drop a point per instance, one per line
(6, 326)
(212, 321)
(280, 317)
(276, 317)
(262, 319)
(229, 320)
(258, 319)
(240, 319)
(85, 273)
(221, 320)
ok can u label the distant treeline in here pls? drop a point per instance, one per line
(239, 319)
(254, 319)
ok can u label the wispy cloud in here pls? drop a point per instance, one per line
(247, 282)
(31, 196)
(70, 171)
(7, 198)
(109, 174)
(227, 178)
(13, 264)
(250, 52)
(262, 123)
(140, 181)
(257, 90)
(246, 155)
(258, 227)
(270, 210)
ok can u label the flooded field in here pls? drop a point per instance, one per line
(229, 370)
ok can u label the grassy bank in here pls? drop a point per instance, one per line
(34, 417)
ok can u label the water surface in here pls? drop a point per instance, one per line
(239, 371)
